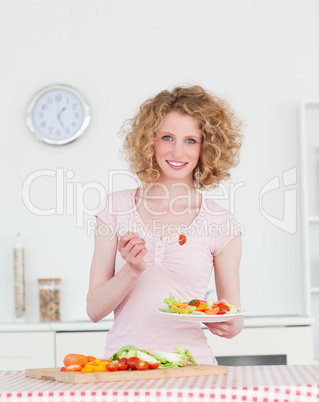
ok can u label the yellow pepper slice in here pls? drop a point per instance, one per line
(96, 365)
(201, 307)
(181, 310)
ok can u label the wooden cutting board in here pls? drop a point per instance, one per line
(80, 378)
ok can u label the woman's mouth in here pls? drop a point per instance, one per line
(177, 165)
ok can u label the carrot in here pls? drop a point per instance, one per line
(73, 358)
(90, 358)
(211, 311)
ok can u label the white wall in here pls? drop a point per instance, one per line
(262, 56)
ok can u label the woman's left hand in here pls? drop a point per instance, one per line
(226, 329)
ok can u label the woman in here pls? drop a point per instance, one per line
(179, 142)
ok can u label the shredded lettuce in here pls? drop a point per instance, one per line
(171, 299)
(179, 358)
(185, 353)
(166, 310)
(126, 351)
(232, 309)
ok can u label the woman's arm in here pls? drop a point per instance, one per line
(226, 267)
(106, 290)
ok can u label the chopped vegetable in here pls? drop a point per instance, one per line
(179, 358)
(182, 239)
(197, 306)
(74, 358)
(158, 359)
(146, 357)
(132, 362)
(96, 366)
(141, 365)
(112, 367)
(73, 367)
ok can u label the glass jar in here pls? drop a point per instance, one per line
(19, 283)
(49, 299)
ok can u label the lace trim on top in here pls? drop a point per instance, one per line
(141, 227)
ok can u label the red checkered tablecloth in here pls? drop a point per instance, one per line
(247, 383)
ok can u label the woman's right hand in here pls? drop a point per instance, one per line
(132, 249)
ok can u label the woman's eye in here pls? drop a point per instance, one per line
(166, 138)
(190, 141)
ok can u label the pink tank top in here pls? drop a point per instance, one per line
(184, 271)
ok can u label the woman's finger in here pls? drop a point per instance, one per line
(126, 238)
(131, 244)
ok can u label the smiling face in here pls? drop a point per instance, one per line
(177, 147)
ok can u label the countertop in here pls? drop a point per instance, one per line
(248, 383)
(106, 324)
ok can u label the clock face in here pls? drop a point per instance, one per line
(58, 115)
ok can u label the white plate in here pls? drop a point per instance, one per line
(203, 318)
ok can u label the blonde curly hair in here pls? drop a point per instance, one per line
(221, 135)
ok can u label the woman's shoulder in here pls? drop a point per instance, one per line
(116, 201)
(121, 195)
(216, 211)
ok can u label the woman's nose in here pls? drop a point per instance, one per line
(178, 150)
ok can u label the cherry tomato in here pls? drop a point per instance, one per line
(132, 361)
(141, 365)
(153, 366)
(122, 366)
(62, 369)
(123, 360)
(112, 367)
(182, 239)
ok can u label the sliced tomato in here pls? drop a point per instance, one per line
(122, 366)
(123, 360)
(223, 306)
(62, 369)
(220, 312)
(74, 367)
(141, 365)
(112, 367)
(153, 366)
(132, 361)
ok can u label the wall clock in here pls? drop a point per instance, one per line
(58, 114)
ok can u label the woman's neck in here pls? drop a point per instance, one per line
(182, 194)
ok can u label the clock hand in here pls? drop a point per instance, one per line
(60, 116)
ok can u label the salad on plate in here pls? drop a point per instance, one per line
(200, 310)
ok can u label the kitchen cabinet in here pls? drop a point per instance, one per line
(257, 343)
(309, 161)
(20, 350)
(45, 345)
(251, 342)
